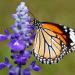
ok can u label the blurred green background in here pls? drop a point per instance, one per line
(58, 11)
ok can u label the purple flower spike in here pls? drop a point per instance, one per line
(17, 45)
(3, 37)
(20, 40)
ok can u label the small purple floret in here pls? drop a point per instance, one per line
(2, 65)
(6, 31)
(17, 45)
(14, 71)
(3, 37)
(27, 72)
(5, 64)
(35, 67)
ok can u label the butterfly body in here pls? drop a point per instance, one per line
(51, 42)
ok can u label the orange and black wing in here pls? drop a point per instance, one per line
(51, 43)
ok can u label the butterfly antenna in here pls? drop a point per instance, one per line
(32, 15)
(33, 19)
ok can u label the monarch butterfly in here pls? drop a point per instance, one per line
(52, 41)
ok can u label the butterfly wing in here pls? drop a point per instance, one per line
(51, 43)
(71, 34)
